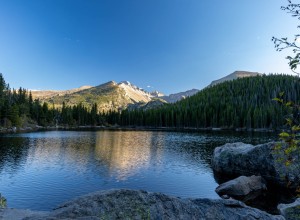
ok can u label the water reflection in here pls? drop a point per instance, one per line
(13, 153)
(126, 153)
(61, 152)
(41, 170)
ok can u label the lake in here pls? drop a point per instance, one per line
(41, 170)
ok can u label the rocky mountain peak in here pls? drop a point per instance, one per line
(125, 83)
(235, 75)
(178, 96)
(110, 83)
(156, 94)
(135, 93)
(129, 84)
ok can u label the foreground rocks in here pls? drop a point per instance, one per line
(243, 188)
(246, 159)
(290, 211)
(18, 214)
(131, 204)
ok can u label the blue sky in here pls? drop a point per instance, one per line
(170, 45)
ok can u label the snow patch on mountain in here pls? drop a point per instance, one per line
(157, 94)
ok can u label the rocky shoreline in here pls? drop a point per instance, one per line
(138, 204)
(258, 169)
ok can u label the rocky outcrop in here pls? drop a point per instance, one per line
(243, 188)
(290, 211)
(246, 159)
(131, 204)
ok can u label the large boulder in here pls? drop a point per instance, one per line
(243, 188)
(132, 204)
(290, 211)
(262, 160)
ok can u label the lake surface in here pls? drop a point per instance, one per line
(43, 169)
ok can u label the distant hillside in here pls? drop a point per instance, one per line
(44, 94)
(108, 96)
(243, 103)
(178, 96)
(235, 75)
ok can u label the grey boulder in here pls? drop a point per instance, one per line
(243, 188)
(246, 159)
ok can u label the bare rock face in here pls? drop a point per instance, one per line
(132, 204)
(290, 211)
(243, 188)
(246, 159)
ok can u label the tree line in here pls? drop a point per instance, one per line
(241, 103)
(17, 108)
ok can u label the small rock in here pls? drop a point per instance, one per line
(290, 211)
(225, 196)
(243, 188)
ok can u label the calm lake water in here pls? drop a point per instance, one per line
(43, 169)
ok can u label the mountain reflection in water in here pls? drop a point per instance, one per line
(125, 153)
(43, 169)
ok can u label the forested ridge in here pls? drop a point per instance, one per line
(242, 103)
(17, 108)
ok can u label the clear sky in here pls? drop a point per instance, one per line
(170, 45)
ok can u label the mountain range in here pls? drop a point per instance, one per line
(110, 96)
(116, 96)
